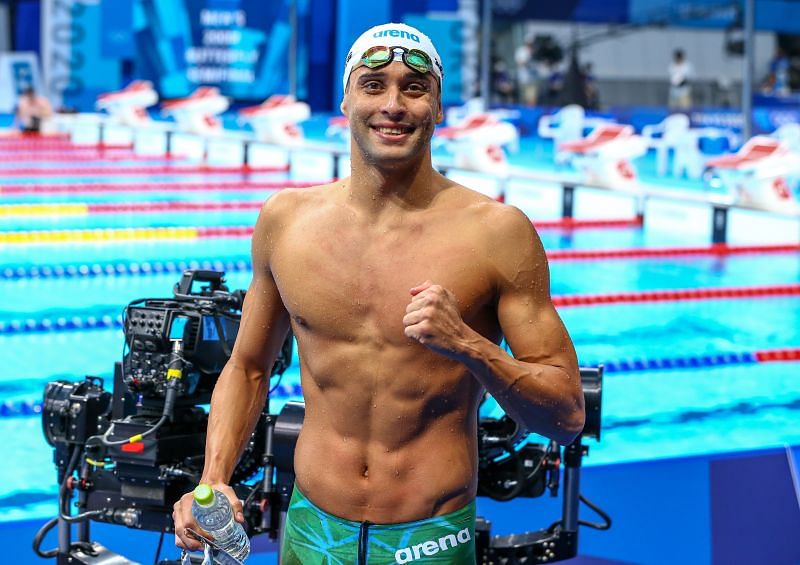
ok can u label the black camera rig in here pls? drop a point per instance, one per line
(130, 454)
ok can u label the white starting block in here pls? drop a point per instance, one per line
(478, 143)
(275, 120)
(198, 112)
(605, 155)
(762, 173)
(128, 106)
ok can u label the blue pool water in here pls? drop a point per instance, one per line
(646, 414)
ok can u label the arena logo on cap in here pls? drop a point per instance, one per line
(402, 34)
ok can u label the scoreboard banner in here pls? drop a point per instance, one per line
(243, 47)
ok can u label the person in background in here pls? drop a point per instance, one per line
(502, 82)
(680, 77)
(590, 87)
(555, 84)
(527, 74)
(777, 81)
(32, 110)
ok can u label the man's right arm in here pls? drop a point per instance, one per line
(241, 390)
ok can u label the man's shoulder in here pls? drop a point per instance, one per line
(291, 201)
(490, 211)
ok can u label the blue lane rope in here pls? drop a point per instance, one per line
(688, 362)
(60, 324)
(120, 269)
(24, 408)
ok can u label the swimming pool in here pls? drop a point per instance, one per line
(67, 271)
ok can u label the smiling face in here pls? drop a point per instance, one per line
(393, 111)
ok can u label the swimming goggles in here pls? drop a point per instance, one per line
(379, 56)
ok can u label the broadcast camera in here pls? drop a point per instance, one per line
(130, 454)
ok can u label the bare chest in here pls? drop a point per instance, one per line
(346, 281)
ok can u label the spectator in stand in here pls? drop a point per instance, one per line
(680, 77)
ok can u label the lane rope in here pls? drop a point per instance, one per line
(160, 187)
(27, 408)
(133, 170)
(703, 361)
(181, 233)
(677, 295)
(119, 268)
(645, 253)
(66, 323)
(143, 268)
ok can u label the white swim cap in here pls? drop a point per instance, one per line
(392, 35)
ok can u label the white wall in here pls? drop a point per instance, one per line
(646, 53)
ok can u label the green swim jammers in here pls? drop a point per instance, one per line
(314, 537)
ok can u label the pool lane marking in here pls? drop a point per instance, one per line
(677, 295)
(33, 406)
(67, 157)
(149, 170)
(118, 268)
(644, 253)
(104, 235)
(139, 268)
(72, 209)
(128, 234)
(576, 223)
(209, 186)
(84, 209)
(784, 355)
(16, 210)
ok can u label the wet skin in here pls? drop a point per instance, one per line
(398, 284)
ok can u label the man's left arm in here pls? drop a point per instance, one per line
(540, 385)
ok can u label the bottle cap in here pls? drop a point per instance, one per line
(204, 494)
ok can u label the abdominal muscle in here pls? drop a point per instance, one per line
(388, 452)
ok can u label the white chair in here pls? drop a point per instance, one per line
(666, 136)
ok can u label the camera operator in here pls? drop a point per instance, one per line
(398, 284)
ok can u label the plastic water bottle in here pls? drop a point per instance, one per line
(214, 514)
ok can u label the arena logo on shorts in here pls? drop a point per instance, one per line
(432, 547)
(397, 33)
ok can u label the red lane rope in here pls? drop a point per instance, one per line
(569, 223)
(22, 144)
(20, 137)
(77, 155)
(155, 169)
(239, 185)
(225, 231)
(677, 295)
(768, 355)
(716, 249)
(155, 207)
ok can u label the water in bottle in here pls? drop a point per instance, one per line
(214, 514)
